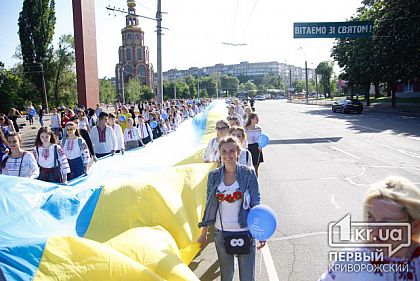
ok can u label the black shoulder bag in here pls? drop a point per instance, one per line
(236, 243)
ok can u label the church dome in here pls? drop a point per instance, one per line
(131, 3)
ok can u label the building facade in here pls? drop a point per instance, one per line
(133, 54)
(285, 71)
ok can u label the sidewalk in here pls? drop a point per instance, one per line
(411, 109)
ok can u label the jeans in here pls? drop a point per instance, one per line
(41, 121)
(246, 262)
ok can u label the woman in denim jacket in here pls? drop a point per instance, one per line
(232, 190)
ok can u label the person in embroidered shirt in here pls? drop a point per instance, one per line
(232, 190)
(76, 150)
(394, 200)
(132, 137)
(18, 162)
(103, 137)
(212, 151)
(118, 133)
(50, 157)
(145, 131)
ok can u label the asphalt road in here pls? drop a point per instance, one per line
(317, 168)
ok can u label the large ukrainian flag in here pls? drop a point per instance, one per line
(133, 218)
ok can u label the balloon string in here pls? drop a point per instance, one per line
(261, 256)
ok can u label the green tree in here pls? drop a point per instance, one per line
(36, 29)
(229, 84)
(107, 92)
(208, 86)
(9, 85)
(192, 86)
(65, 60)
(132, 90)
(325, 69)
(146, 93)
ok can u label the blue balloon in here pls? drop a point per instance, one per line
(33, 112)
(263, 141)
(262, 222)
(164, 116)
(153, 124)
(122, 118)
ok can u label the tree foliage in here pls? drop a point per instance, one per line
(36, 29)
(325, 69)
(9, 85)
(107, 92)
(392, 54)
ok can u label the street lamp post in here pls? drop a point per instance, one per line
(306, 74)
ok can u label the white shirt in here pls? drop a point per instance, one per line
(229, 211)
(76, 148)
(253, 135)
(108, 145)
(84, 123)
(131, 134)
(145, 131)
(119, 135)
(29, 168)
(243, 158)
(212, 151)
(45, 158)
(55, 121)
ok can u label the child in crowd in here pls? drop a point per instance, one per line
(76, 150)
(118, 133)
(55, 123)
(245, 157)
(145, 131)
(52, 160)
(103, 137)
(18, 162)
(212, 151)
(131, 136)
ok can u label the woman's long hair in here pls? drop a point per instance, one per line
(47, 130)
(250, 117)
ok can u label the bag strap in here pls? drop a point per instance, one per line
(21, 161)
(56, 157)
(79, 140)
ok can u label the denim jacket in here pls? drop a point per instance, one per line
(247, 181)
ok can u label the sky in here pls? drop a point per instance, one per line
(196, 30)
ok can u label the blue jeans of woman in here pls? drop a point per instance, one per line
(226, 261)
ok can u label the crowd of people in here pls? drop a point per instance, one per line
(79, 137)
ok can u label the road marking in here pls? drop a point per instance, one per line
(345, 152)
(298, 236)
(335, 202)
(399, 150)
(269, 264)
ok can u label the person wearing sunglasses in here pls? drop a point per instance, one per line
(212, 151)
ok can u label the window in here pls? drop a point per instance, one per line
(128, 54)
(141, 70)
(128, 35)
(139, 54)
(136, 36)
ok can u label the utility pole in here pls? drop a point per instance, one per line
(198, 86)
(159, 52)
(175, 89)
(306, 77)
(122, 84)
(316, 85)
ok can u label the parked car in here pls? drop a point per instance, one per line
(259, 98)
(347, 105)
